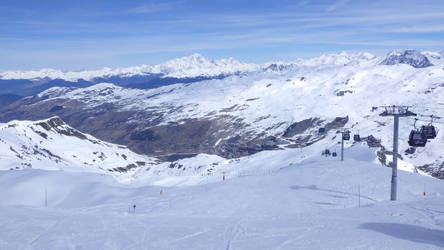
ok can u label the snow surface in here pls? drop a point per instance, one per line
(309, 204)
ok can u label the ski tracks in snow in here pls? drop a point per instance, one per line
(436, 217)
(232, 232)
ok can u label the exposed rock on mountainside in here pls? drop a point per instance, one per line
(411, 57)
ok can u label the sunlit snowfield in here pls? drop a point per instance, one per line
(190, 124)
(313, 204)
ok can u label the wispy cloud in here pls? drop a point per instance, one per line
(338, 4)
(148, 8)
(417, 29)
(186, 26)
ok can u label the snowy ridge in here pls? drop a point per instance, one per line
(52, 145)
(342, 58)
(197, 65)
(189, 66)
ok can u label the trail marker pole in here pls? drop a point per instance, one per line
(342, 146)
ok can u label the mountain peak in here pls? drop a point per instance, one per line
(54, 122)
(410, 57)
(191, 60)
(197, 56)
(198, 65)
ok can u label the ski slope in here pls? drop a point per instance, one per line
(308, 204)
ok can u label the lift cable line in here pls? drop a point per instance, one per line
(424, 120)
(396, 112)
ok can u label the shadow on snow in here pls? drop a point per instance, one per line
(408, 232)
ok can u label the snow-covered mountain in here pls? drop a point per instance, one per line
(53, 145)
(411, 57)
(197, 65)
(189, 66)
(188, 69)
(227, 163)
(273, 108)
(194, 68)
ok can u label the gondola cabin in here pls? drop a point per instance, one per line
(357, 137)
(321, 130)
(429, 131)
(417, 138)
(346, 136)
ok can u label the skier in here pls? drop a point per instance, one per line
(134, 208)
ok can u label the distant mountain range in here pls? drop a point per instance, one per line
(194, 68)
(182, 70)
(254, 108)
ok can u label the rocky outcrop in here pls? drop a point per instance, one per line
(301, 126)
(410, 57)
(435, 169)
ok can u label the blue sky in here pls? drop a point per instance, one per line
(74, 35)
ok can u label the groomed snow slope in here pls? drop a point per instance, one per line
(309, 205)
